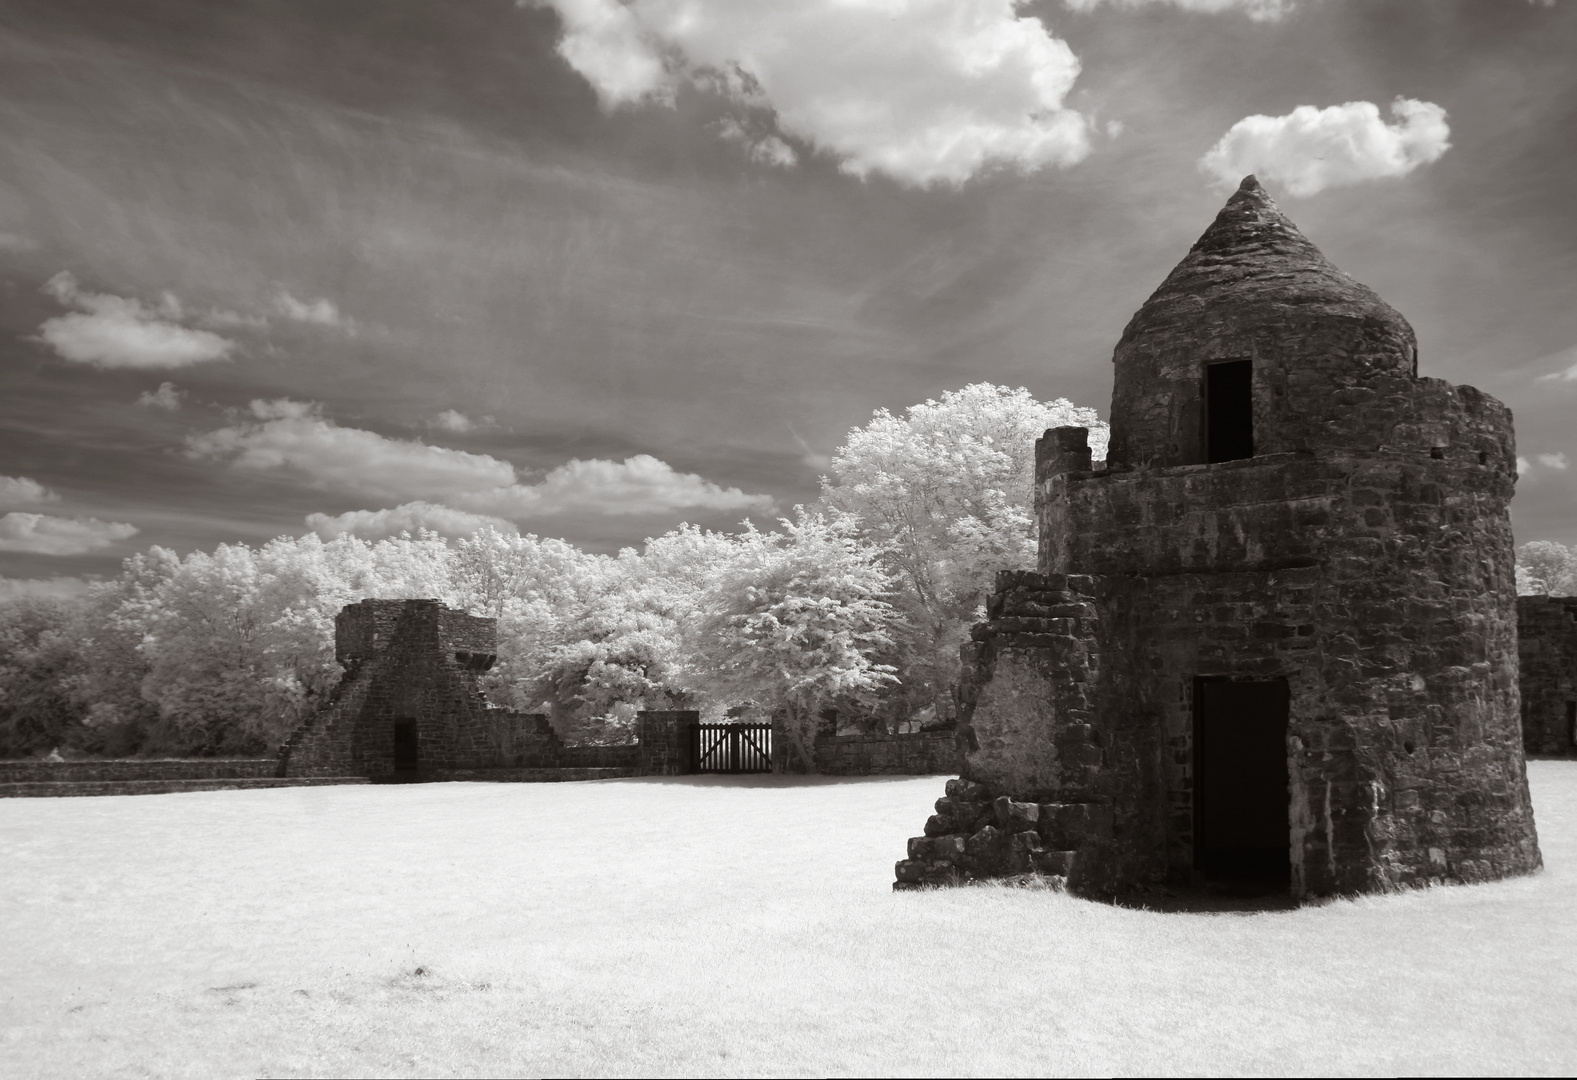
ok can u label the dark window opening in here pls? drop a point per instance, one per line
(1571, 723)
(1229, 410)
(1242, 822)
(405, 746)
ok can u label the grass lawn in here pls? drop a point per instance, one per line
(713, 927)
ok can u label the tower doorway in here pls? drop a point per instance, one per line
(405, 749)
(1242, 831)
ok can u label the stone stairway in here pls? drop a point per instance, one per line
(973, 836)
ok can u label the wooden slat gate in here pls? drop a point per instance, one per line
(731, 748)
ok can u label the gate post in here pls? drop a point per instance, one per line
(667, 740)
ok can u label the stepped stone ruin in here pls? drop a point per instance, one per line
(1273, 637)
(410, 707)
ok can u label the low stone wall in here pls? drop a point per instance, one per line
(665, 741)
(39, 771)
(923, 753)
(60, 788)
(529, 776)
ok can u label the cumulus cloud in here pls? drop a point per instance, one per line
(459, 423)
(922, 91)
(641, 484)
(1310, 149)
(21, 491)
(320, 312)
(45, 534)
(292, 437)
(765, 149)
(166, 397)
(376, 524)
(1556, 461)
(116, 332)
(1258, 10)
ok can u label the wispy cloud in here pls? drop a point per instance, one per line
(922, 91)
(1565, 360)
(1258, 10)
(16, 243)
(1556, 461)
(166, 397)
(116, 332)
(22, 491)
(1309, 149)
(45, 534)
(61, 587)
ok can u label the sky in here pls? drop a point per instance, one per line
(591, 268)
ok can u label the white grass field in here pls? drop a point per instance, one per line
(714, 928)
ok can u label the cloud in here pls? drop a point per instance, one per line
(62, 587)
(638, 485)
(166, 397)
(318, 312)
(375, 524)
(292, 437)
(1523, 465)
(44, 534)
(16, 242)
(459, 422)
(1567, 358)
(922, 91)
(1258, 10)
(1555, 461)
(763, 149)
(1310, 149)
(116, 332)
(21, 491)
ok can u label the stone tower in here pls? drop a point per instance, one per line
(1275, 635)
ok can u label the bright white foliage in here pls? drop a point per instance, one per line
(796, 619)
(1545, 568)
(948, 489)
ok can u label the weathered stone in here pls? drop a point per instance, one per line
(1347, 538)
(1022, 847)
(1547, 673)
(1015, 816)
(910, 870)
(1053, 863)
(966, 790)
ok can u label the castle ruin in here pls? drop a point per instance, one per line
(1274, 637)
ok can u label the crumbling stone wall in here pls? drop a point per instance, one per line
(1362, 554)
(1547, 655)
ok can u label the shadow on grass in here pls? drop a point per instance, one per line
(767, 780)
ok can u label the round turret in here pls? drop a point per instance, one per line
(1255, 345)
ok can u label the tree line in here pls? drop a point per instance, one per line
(856, 603)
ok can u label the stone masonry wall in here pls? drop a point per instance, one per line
(921, 753)
(37, 771)
(1547, 653)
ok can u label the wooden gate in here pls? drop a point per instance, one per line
(731, 748)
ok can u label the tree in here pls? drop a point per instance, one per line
(796, 620)
(39, 658)
(1545, 568)
(947, 489)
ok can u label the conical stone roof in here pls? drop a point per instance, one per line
(1250, 257)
